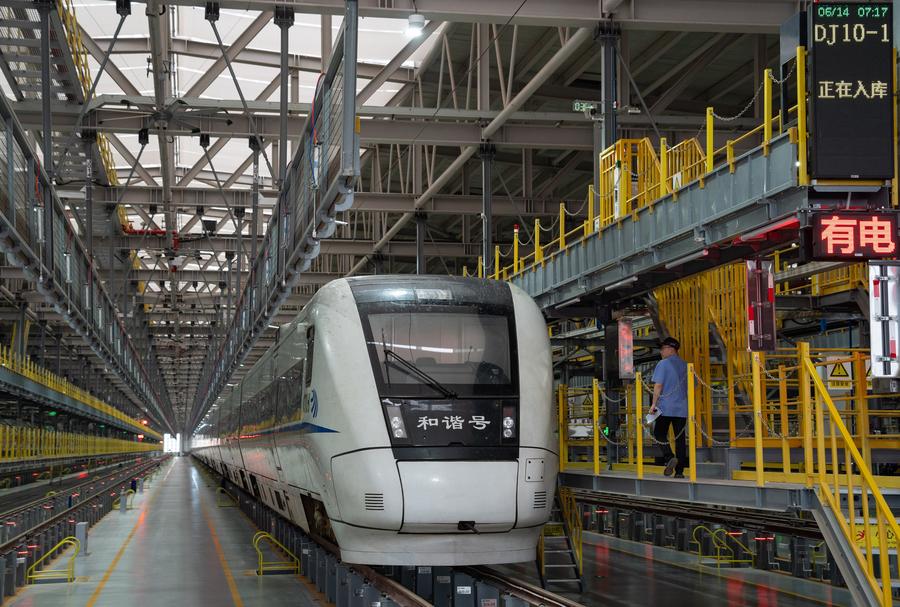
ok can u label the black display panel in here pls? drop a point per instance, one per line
(850, 91)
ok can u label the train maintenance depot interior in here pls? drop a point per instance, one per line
(420, 303)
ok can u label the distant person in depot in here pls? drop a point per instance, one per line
(670, 401)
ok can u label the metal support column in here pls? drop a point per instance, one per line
(483, 71)
(608, 42)
(89, 195)
(284, 19)
(487, 160)
(44, 9)
(420, 243)
(528, 173)
(254, 200)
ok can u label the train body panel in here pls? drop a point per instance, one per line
(406, 418)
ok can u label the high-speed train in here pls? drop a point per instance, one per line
(407, 418)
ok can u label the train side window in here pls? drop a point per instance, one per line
(310, 349)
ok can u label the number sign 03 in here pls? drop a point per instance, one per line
(851, 91)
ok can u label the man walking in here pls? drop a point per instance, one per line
(670, 399)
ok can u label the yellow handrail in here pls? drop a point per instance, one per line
(24, 366)
(225, 499)
(832, 486)
(67, 574)
(129, 500)
(292, 565)
(573, 523)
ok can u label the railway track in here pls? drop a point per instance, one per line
(26, 519)
(781, 522)
(528, 594)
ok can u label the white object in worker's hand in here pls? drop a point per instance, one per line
(652, 415)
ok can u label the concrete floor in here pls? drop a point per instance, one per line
(175, 548)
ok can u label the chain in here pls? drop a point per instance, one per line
(721, 391)
(755, 97)
(786, 76)
(578, 212)
(611, 441)
(610, 399)
(712, 441)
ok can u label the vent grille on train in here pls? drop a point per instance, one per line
(374, 501)
(540, 500)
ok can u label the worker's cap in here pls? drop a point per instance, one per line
(671, 341)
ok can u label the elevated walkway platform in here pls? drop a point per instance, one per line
(676, 233)
(738, 494)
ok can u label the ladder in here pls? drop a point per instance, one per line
(560, 545)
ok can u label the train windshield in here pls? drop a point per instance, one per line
(444, 351)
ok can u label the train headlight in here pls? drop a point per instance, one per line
(395, 419)
(509, 423)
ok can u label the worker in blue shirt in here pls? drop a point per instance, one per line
(670, 399)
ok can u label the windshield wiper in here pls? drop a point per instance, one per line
(418, 373)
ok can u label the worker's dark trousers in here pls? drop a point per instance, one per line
(661, 434)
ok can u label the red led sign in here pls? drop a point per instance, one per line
(854, 235)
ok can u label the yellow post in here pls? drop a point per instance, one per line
(562, 226)
(563, 428)
(596, 426)
(757, 420)
(692, 440)
(639, 427)
(767, 110)
(663, 167)
(729, 155)
(861, 389)
(802, 175)
(480, 266)
(538, 253)
(782, 402)
(710, 144)
(496, 262)
(515, 248)
(589, 223)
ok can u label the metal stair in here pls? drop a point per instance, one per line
(70, 79)
(559, 550)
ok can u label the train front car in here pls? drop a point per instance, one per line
(445, 390)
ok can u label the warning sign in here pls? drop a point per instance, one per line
(840, 376)
(861, 538)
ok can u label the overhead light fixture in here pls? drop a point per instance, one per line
(622, 283)
(683, 260)
(415, 25)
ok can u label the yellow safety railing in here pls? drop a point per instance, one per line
(68, 573)
(583, 427)
(225, 499)
(129, 500)
(24, 366)
(843, 491)
(573, 524)
(291, 565)
(633, 174)
(21, 443)
(721, 553)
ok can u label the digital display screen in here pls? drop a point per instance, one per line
(850, 91)
(854, 235)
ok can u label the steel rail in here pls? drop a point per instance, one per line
(531, 594)
(17, 540)
(781, 522)
(43, 500)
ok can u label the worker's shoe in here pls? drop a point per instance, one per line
(670, 466)
(679, 475)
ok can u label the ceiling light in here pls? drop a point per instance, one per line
(415, 25)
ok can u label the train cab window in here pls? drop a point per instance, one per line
(310, 349)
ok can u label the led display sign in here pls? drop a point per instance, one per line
(854, 235)
(851, 91)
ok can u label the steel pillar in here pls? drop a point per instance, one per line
(487, 160)
(254, 209)
(284, 19)
(608, 43)
(420, 243)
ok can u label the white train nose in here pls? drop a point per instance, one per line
(438, 496)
